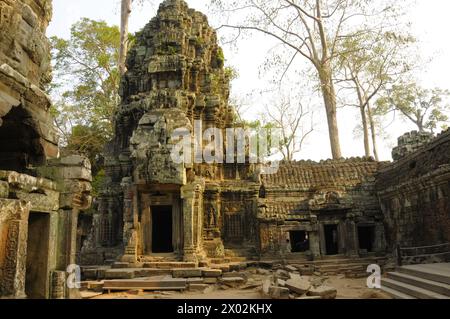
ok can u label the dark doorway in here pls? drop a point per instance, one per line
(331, 239)
(366, 235)
(162, 229)
(36, 279)
(20, 145)
(299, 241)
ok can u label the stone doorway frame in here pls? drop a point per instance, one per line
(150, 199)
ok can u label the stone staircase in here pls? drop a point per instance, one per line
(430, 281)
(339, 265)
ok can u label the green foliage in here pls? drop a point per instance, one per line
(85, 87)
(97, 182)
(425, 108)
(199, 42)
(220, 58)
(171, 50)
(231, 73)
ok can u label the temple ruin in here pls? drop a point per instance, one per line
(152, 209)
(41, 194)
(154, 215)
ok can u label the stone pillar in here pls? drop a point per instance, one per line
(314, 237)
(352, 237)
(323, 244)
(188, 221)
(189, 193)
(14, 223)
(379, 240)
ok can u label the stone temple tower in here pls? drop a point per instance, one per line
(175, 77)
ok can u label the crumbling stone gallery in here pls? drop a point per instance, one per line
(152, 209)
(41, 195)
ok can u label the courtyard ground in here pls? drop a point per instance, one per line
(346, 289)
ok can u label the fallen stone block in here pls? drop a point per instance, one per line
(235, 274)
(210, 280)
(308, 298)
(264, 272)
(233, 282)
(186, 273)
(281, 283)
(282, 274)
(119, 274)
(211, 272)
(266, 286)
(278, 292)
(298, 285)
(196, 280)
(290, 268)
(324, 292)
(198, 287)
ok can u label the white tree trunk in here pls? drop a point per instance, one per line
(124, 19)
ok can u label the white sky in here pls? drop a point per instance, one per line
(431, 26)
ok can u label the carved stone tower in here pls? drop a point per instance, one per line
(175, 78)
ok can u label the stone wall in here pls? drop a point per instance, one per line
(306, 196)
(27, 135)
(41, 195)
(414, 195)
(38, 224)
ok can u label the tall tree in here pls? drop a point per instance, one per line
(425, 108)
(311, 29)
(370, 63)
(85, 86)
(125, 12)
(294, 122)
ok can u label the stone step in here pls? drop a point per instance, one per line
(411, 290)
(396, 294)
(438, 287)
(434, 272)
(187, 273)
(343, 267)
(169, 265)
(131, 273)
(146, 284)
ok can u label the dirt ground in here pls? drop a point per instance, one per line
(346, 289)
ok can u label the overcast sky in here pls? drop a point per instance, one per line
(431, 26)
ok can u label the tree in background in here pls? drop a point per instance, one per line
(125, 12)
(370, 63)
(294, 122)
(312, 30)
(426, 108)
(85, 87)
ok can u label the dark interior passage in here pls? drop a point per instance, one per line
(20, 142)
(36, 280)
(299, 241)
(331, 239)
(162, 229)
(366, 235)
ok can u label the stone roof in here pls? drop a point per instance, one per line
(326, 174)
